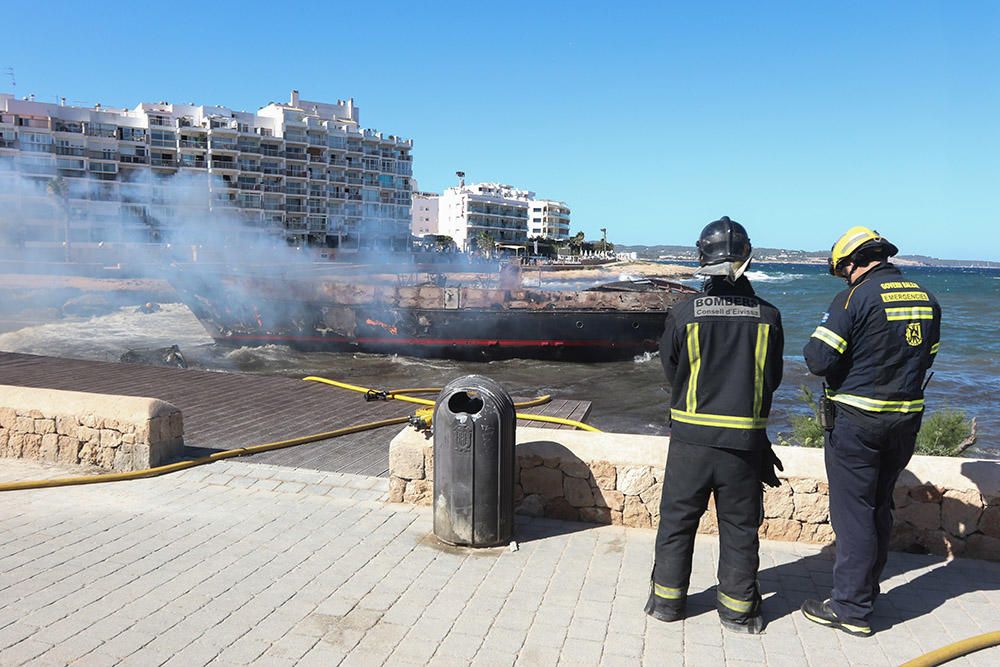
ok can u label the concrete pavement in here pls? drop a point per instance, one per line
(236, 564)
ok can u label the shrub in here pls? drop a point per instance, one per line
(945, 433)
(806, 429)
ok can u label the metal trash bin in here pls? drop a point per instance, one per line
(474, 424)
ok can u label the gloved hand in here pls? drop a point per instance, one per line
(769, 466)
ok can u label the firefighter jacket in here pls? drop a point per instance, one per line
(722, 355)
(876, 342)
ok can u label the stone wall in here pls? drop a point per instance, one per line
(944, 506)
(119, 433)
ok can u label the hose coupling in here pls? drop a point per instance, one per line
(376, 395)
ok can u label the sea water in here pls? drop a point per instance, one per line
(628, 396)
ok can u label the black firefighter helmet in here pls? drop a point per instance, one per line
(724, 248)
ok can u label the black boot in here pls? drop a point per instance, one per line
(664, 609)
(820, 612)
(754, 625)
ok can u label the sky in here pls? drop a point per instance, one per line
(797, 119)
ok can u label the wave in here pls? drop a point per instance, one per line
(762, 277)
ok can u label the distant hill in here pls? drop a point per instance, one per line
(687, 253)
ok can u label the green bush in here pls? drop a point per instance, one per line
(806, 429)
(944, 433)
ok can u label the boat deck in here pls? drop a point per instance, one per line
(227, 410)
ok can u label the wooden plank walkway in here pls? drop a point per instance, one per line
(229, 410)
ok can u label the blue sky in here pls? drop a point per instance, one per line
(798, 119)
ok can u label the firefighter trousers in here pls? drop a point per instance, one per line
(863, 462)
(733, 476)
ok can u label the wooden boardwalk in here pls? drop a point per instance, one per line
(228, 410)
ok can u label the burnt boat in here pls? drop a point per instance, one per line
(313, 313)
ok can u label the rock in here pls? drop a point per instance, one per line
(811, 507)
(406, 462)
(550, 463)
(576, 469)
(49, 450)
(982, 546)
(605, 475)
(44, 426)
(397, 486)
(8, 417)
(110, 438)
(32, 445)
(529, 461)
(577, 492)
(635, 513)
(595, 514)
(651, 499)
(926, 493)
(69, 449)
(428, 463)
(823, 487)
(533, 505)
(543, 480)
(418, 492)
(786, 530)
(922, 515)
(518, 493)
(616, 518)
(817, 533)
(940, 543)
(905, 538)
(614, 500)
(901, 496)
(559, 508)
(778, 502)
(803, 485)
(709, 523)
(989, 522)
(633, 480)
(960, 512)
(24, 425)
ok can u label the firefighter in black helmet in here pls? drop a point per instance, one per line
(873, 346)
(721, 352)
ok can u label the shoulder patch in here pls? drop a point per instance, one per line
(726, 306)
(825, 318)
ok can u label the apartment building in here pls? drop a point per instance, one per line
(303, 171)
(425, 213)
(548, 219)
(466, 212)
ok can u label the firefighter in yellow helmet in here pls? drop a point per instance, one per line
(873, 347)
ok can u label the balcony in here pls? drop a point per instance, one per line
(291, 208)
(195, 164)
(295, 192)
(295, 173)
(163, 143)
(295, 137)
(77, 151)
(223, 164)
(272, 151)
(102, 155)
(249, 166)
(134, 159)
(160, 162)
(274, 170)
(267, 187)
(299, 157)
(247, 148)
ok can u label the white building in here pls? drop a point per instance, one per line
(548, 219)
(425, 213)
(305, 171)
(500, 211)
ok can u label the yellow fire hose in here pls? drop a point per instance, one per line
(956, 650)
(401, 395)
(211, 458)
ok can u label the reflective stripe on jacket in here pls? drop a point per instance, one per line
(722, 355)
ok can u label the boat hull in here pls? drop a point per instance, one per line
(465, 324)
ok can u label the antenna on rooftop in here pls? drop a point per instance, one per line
(9, 71)
(461, 178)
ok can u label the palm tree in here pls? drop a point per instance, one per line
(485, 243)
(58, 189)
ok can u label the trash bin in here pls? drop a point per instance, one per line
(474, 425)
